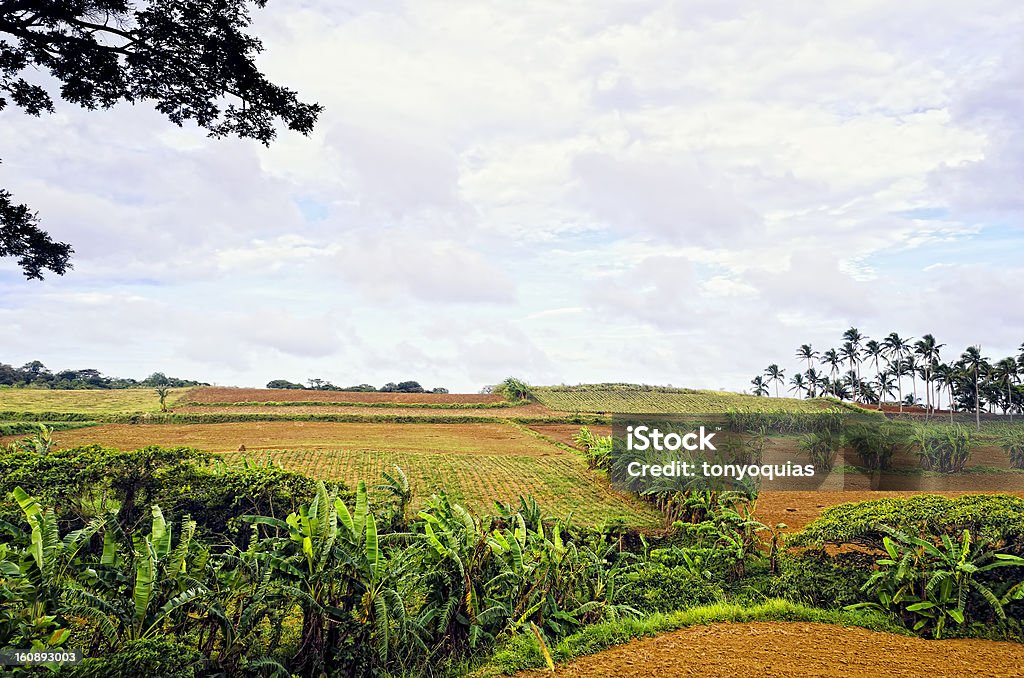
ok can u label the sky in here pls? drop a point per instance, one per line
(584, 191)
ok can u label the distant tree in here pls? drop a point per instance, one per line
(156, 379)
(975, 365)
(774, 373)
(439, 389)
(361, 388)
(797, 384)
(806, 352)
(284, 383)
(194, 60)
(760, 387)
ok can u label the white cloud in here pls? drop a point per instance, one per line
(560, 190)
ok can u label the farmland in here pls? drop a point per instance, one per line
(113, 401)
(476, 464)
(632, 399)
(485, 453)
(209, 395)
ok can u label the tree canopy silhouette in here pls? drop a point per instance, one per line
(193, 59)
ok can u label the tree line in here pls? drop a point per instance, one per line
(903, 372)
(35, 374)
(324, 385)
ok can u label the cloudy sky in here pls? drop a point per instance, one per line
(649, 191)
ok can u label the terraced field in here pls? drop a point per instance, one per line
(632, 399)
(560, 482)
(117, 401)
(474, 463)
(208, 395)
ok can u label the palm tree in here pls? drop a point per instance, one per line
(946, 375)
(813, 381)
(805, 352)
(832, 359)
(797, 384)
(760, 388)
(975, 364)
(928, 350)
(911, 363)
(875, 351)
(851, 354)
(854, 337)
(775, 374)
(886, 385)
(895, 348)
(1005, 372)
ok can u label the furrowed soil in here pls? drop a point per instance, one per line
(777, 649)
(490, 412)
(564, 433)
(289, 435)
(272, 395)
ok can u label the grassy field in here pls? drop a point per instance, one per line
(634, 399)
(86, 402)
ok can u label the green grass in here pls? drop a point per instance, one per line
(638, 399)
(112, 401)
(521, 651)
(561, 482)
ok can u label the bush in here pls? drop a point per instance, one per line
(658, 588)
(1013, 444)
(875, 445)
(998, 518)
(149, 657)
(814, 578)
(821, 447)
(946, 450)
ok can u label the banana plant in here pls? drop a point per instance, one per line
(339, 574)
(143, 587)
(929, 583)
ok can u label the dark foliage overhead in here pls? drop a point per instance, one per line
(193, 59)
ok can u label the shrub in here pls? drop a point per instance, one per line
(514, 389)
(814, 578)
(821, 447)
(654, 587)
(1012, 443)
(997, 518)
(875, 445)
(946, 450)
(150, 657)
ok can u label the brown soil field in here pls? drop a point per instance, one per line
(775, 649)
(213, 394)
(532, 410)
(563, 433)
(495, 439)
(797, 509)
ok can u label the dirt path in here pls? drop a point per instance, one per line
(795, 649)
(797, 509)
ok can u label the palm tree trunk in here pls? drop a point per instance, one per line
(977, 400)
